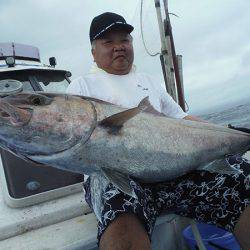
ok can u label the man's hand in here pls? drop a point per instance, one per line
(193, 118)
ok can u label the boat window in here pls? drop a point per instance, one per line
(38, 80)
(19, 76)
(52, 81)
(54, 86)
(26, 86)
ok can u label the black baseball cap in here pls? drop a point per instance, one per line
(105, 22)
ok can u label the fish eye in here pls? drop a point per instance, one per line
(37, 100)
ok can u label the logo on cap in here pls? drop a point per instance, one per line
(105, 22)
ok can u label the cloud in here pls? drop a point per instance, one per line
(212, 36)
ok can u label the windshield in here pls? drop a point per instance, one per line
(27, 87)
(38, 80)
(54, 86)
(52, 81)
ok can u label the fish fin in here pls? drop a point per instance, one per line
(121, 181)
(144, 104)
(116, 121)
(220, 166)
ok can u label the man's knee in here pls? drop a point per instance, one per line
(242, 229)
(125, 232)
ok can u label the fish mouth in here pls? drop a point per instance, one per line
(14, 115)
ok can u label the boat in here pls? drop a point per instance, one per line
(44, 208)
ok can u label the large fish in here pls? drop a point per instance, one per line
(86, 135)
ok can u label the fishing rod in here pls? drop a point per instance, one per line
(168, 32)
(168, 57)
(166, 61)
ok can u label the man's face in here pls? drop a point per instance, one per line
(114, 52)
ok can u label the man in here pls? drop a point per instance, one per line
(126, 222)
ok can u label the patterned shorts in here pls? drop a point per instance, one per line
(208, 197)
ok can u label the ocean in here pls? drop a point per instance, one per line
(238, 115)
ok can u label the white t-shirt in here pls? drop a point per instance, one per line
(126, 91)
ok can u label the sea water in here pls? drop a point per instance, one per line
(238, 115)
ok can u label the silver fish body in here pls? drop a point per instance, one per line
(70, 134)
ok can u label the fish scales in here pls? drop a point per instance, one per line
(90, 136)
(155, 148)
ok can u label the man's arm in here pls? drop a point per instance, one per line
(170, 108)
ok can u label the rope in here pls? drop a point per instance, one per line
(142, 36)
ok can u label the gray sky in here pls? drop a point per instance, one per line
(212, 36)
